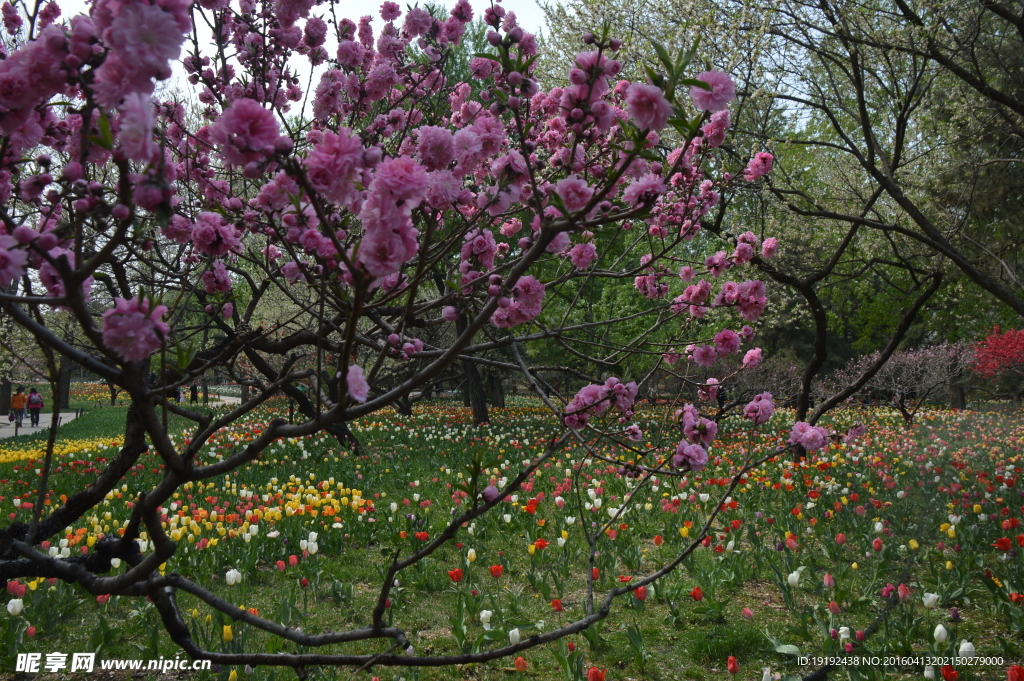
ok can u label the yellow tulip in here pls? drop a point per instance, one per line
(914, 545)
(532, 549)
(227, 634)
(855, 566)
(977, 508)
(949, 565)
(684, 532)
(233, 676)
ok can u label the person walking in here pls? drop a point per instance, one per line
(18, 402)
(195, 392)
(35, 405)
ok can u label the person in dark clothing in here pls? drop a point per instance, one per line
(35, 405)
(194, 395)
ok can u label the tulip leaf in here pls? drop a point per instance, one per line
(788, 649)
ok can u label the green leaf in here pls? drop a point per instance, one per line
(663, 56)
(487, 55)
(698, 83)
(788, 650)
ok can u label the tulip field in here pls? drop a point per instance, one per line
(904, 547)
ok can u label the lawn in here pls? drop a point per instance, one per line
(802, 559)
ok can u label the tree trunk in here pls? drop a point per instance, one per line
(205, 382)
(495, 389)
(64, 384)
(5, 397)
(957, 394)
(473, 386)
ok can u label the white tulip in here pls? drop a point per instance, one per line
(507, 517)
(794, 578)
(561, 542)
(570, 520)
(15, 606)
(766, 674)
(731, 545)
(704, 498)
(394, 507)
(513, 636)
(303, 544)
(966, 649)
(471, 555)
(597, 502)
(940, 634)
(233, 577)
(929, 673)
(879, 527)
(485, 618)
(312, 547)
(930, 600)
(313, 536)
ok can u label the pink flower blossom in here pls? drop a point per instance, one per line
(810, 437)
(214, 236)
(726, 342)
(132, 330)
(12, 260)
(435, 147)
(759, 166)
(752, 358)
(245, 132)
(358, 388)
(583, 255)
(135, 131)
(648, 107)
(714, 130)
(574, 192)
(217, 279)
(760, 409)
(723, 91)
(332, 167)
(705, 356)
(690, 456)
(646, 188)
(769, 247)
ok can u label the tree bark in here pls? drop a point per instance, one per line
(64, 384)
(495, 389)
(473, 386)
(5, 396)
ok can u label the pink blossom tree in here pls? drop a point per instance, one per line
(309, 242)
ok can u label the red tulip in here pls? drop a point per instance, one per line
(102, 599)
(497, 570)
(641, 593)
(1015, 673)
(520, 665)
(541, 543)
(595, 674)
(748, 613)
(595, 574)
(280, 565)
(1003, 544)
(571, 646)
(877, 544)
(303, 582)
(422, 536)
(658, 540)
(732, 665)
(456, 575)
(30, 632)
(293, 560)
(556, 605)
(697, 594)
(830, 582)
(840, 538)
(904, 591)
(949, 674)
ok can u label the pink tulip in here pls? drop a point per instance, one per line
(830, 582)
(748, 613)
(834, 608)
(840, 538)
